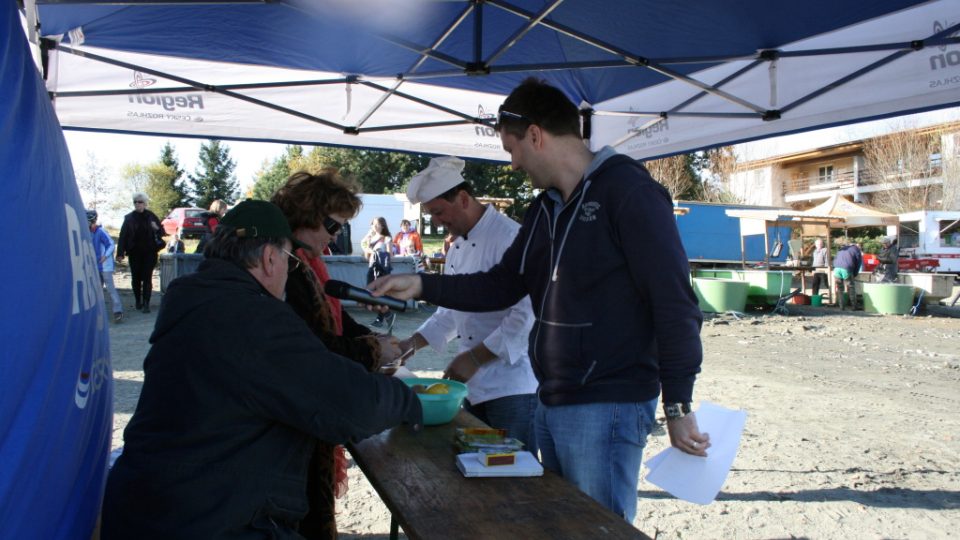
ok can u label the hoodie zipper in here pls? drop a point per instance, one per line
(553, 273)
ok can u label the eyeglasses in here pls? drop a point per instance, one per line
(331, 225)
(511, 116)
(294, 262)
(139, 202)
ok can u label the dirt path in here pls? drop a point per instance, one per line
(852, 431)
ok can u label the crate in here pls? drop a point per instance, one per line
(174, 265)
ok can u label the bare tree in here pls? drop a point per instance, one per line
(908, 165)
(94, 183)
(674, 173)
(718, 167)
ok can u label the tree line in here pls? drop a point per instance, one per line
(165, 182)
(698, 176)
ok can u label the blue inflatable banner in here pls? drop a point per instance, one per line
(56, 395)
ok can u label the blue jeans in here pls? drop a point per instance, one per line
(512, 413)
(598, 447)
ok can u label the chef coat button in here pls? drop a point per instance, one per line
(471, 337)
(474, 244)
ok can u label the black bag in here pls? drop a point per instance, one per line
(158, 239)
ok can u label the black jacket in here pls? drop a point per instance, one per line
(139, 234)
(236, 391)
(610, 286)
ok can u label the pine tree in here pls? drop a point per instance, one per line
(178, 190)
(214, 178)
(272, 175)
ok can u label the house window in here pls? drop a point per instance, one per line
(825, 174)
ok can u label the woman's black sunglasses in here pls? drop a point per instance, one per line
(331, 225)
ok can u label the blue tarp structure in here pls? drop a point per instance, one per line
(651, 77)
(56, 416)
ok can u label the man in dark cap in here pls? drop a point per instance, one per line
(237, 390)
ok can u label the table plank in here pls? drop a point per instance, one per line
(415, 475)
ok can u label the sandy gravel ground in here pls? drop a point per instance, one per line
(853, 430)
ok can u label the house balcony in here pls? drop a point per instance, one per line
(811, 188)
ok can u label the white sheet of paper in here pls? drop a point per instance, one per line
(693, 478)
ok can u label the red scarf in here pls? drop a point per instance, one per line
(323, 276)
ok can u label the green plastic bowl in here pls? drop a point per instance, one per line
(440, 408)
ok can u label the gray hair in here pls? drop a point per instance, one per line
(140, 195)
(245, 252)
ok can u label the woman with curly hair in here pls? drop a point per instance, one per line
(317, 206)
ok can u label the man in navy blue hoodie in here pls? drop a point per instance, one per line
(616, 319)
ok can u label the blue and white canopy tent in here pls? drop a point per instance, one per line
(652, 78)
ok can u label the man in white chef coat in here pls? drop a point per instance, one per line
(492, 358)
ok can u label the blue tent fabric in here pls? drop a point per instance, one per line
(56, 396)
(312, 35)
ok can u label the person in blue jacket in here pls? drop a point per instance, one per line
(846, 267)
(616, 320)
(103, 247)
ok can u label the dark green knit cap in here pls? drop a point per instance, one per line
(258, 219)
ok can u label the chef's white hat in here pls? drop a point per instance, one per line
(442, 175)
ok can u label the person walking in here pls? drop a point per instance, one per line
(104, 247)
(141, 236)
(617, 322)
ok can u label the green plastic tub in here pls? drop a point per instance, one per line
(816, 300)
(720, 295)
(766, 286)
(713, 273)
(893, 298)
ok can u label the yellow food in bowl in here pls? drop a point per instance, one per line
(437, 388)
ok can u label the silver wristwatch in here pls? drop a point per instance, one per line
(676, 410)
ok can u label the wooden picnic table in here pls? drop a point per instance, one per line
(416, 477)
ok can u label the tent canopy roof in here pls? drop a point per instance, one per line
(837, 212)
(654, 78)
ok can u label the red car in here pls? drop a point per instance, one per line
(191, 222)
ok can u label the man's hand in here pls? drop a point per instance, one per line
(686, 436)
(402, 286)
(462, 368)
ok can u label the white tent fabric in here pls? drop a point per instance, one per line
(899, 61)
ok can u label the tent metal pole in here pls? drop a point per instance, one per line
(863, 71)
(632, 58)
(416, 65)
(179, 90)
(518, 35)
(201, 86)
(477, 33)
(421, 101)
(414, 126)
